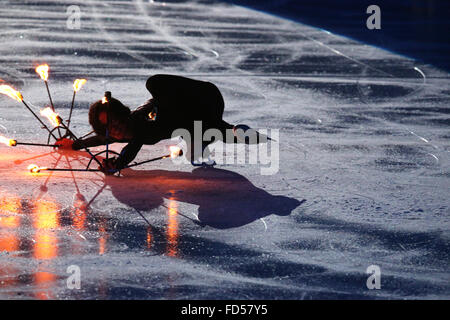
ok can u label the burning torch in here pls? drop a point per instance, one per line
(13, 143)
(16, 95)
(77, 84)
(36, 169)
(174, 152)
(57, 121)
(42, 71)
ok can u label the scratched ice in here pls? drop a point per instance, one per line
(364, 170)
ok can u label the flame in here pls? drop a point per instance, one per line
(174, 151)
(152, 116)
(8, 142)
(42, 71)
(52, 116)
(34, 168)
(104, 100)
(78, 83)
(10, 92)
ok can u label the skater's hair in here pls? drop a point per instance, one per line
(114, 107)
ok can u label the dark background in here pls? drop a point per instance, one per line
(415, 28)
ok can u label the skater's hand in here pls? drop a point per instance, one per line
(109, 166)
(64, 143)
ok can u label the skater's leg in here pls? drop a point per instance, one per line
(202, 159)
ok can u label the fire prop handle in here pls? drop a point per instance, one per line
(82, 144)
(40, 121)
(43, 70)
(77, 84)
(71, 108)
(14, 143)
(147, 161)
(36, 169)
(175, 152)
(57, 169)
(57, 121)
(49, 95)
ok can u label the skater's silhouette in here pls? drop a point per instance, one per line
(176, 104)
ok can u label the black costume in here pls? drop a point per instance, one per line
(177, 102)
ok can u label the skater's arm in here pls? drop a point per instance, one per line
(89, 142)
(128, 153)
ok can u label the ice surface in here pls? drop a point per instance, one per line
(363, 180)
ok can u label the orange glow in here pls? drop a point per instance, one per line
(8, 271)
(103, 238)
(78, 83)
(9, 242)
(8, 142)
(152, 115)
(46, 246)
(53, 117)
(10, 92)
(174, 151)
(10, 207)
(43, 281)
(172, 229)
(35, 169)
(42, 71)
(45, 221)
(79, 214)
(46, 215)
(104, 100)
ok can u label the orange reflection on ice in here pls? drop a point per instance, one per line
(10, 207)
(9, 272)
(44, 281)
(172, 229)
(103, 237)
(8, 241)
(46, 214)
(46, 223)
(79, 214)
(46, 246)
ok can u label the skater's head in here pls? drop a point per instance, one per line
(112, 115)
